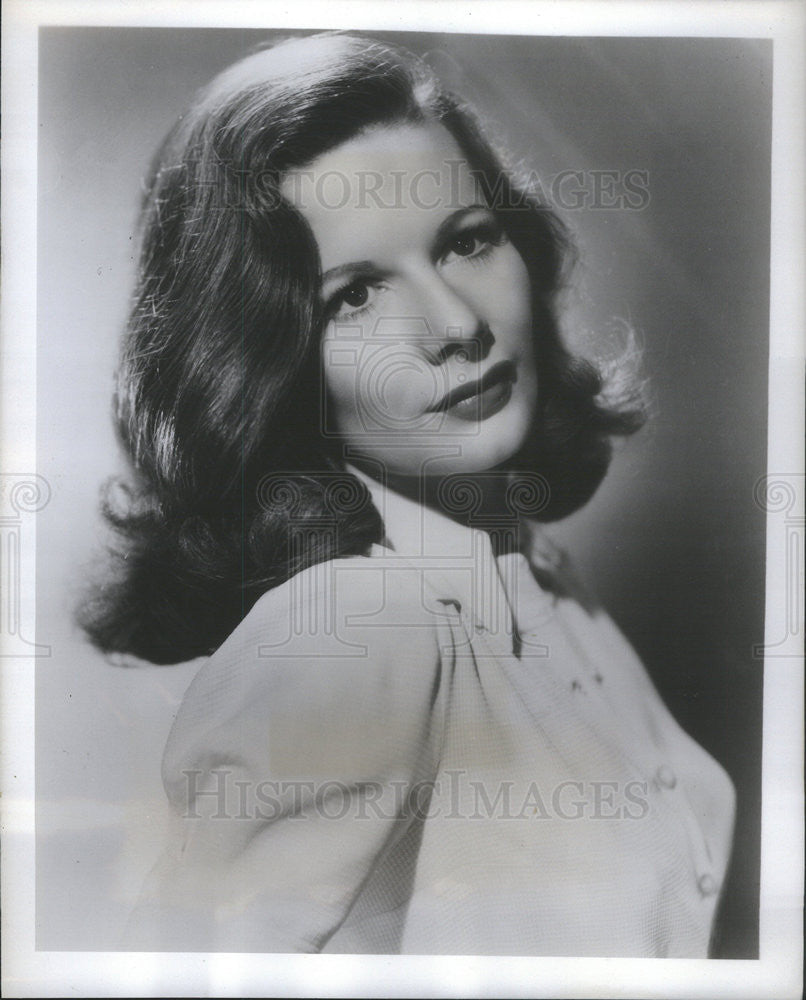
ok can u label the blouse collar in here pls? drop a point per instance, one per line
(459, 568)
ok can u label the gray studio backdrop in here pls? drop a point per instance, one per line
(674, 541)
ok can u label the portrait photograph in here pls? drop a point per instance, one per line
(403, 505)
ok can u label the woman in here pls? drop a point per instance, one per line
(348, 408)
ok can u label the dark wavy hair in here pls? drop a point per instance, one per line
(219, 379)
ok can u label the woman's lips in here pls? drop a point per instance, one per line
(481, 399)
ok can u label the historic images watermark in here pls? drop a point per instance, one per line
(220, 794)
(781, 496)
(569, 190)
(340, 497)
(21, 495)
(377, 363)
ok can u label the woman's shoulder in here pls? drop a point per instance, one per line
(346, 639)
(380, 590)
(351, 612)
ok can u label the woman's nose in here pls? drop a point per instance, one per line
(455, 326)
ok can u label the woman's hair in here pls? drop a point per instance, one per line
(218, 392)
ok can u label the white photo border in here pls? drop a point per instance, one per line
(777, 972)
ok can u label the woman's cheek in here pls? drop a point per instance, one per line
(513, 288)
(376, 388)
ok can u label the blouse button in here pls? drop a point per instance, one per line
(707, 885)
(666, 776)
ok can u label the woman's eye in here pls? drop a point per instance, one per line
(474, 243)
(351, 299)
(463, 246)
(356, 295)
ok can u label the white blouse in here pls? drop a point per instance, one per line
(423, 751)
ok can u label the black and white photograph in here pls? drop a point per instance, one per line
(404, 533)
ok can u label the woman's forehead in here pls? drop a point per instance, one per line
(402, 179)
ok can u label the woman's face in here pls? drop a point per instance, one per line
(427, 352)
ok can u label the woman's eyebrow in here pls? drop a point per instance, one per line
(357, 268)
(360, 268)
(447, 225)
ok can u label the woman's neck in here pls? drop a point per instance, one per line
(484, 500)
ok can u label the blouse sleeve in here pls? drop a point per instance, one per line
(290, 763)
